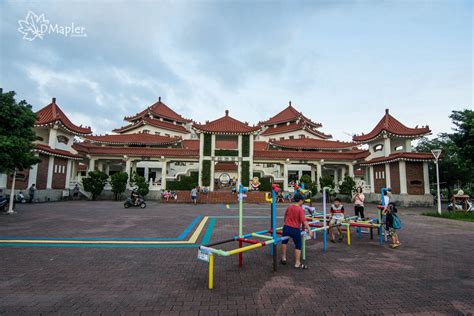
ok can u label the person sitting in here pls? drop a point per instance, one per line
(337, 212)
(135, 197)
(166, 195)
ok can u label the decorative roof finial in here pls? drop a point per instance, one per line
(289, 103)
(386, 111)
(159, 99)
(54, 100)
(226, 112)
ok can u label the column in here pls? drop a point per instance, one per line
(74, 170)
(300, 174)
(351, 170)
(319, 171)
(239, 141)
(213, 144)
(388, 181)
(403, 177)
(128, 164)
(372, 179)
(68, 173)
(163, 174)
(285, 177)
(201, 152)
(213, 166)
(387, 146)
(336, 178)
(343, 173)
(100, 166)
(91, 164)
(313, 173)
(32, 175)
(408, 145)
(53, 134)
(49, 181)
(146, 173)
(107, 168)
(426, 178)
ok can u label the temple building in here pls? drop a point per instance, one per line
(163, 146)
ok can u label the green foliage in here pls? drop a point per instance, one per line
(16, 134)
(206, 173)
(207, 145)
(347, 186)
(95, 183)
(118, 181)
(141, 184)
(226, 152)
(265, 184)
(245, 175)
(308, 184)
(326, 181)
(461, 216)
(463, 137)
(184, 183)
(245, 145)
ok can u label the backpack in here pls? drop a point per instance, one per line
(397, 223)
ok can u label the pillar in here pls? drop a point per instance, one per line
(387, 146)
(239, 140)
(201, 152)
(163, 174)
(285, 177)
(49, 181)
(32, 175)
(68, 173)
(213, 144)
(313, 173)
(300, 174)
(372, 179)
(426, 178)
(319, 171)
(336, 178)
(128, 164)
(351, 170)
(146, 173)
(403, 176)
(343, 173)
(408, 145)
(388, 181)
(100, 166)
(107, 168)
(91, 164)
(53, 136)
(213, 166)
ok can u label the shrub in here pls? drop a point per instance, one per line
(140, 183)
(95, 183)
(326, 181)
(308, 184)
(347, 186)
(118, 181)
(184, 183)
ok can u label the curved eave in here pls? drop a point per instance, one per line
(395, 160)
(56, 154)
(361, 139)
(64, 127)
(205, 131)
(313, 148)
(132, 143)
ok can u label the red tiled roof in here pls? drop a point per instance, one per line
(190, 144)
(153, 122)
(281, 129)
(45, 149)
(227, 144)
(408, 156)
(135, 151)
(392, 126)
(161, 110)
(310, 155)
(259, 145)
(225, 166)
(226, 125)
(311, 143)
(51, 114)
(133, 139)
(289, 114)
(359, 172)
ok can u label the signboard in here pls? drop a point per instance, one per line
(203, 256)
(224, 178)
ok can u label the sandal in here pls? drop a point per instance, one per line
(333, 241)
(301, 267)
(283, 261)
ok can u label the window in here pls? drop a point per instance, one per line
(378, 147)
(62, 139)
(398, 148)
(146, 131)
(157, 133)
(416, 182)
(167, 135)
(282, 138)
(301, 136)
(291, 137)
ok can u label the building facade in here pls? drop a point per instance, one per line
(163, 146)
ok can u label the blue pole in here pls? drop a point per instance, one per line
(324, 220)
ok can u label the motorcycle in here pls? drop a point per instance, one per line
(20, 198)
(5, 203)
(130, 203)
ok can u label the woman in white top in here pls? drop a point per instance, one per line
(358, 200)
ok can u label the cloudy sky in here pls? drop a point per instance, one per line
(340, 62)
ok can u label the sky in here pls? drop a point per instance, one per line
(341, 63)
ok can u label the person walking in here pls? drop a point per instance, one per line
(31, 193)
(194, 192)
(358, 200)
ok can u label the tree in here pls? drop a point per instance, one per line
(308, 184)
(16, 137)
(118, 181)
(141, 184)
(463, 137)
(347, 186)
(95, 183)
(326, 181)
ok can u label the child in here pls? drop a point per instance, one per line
(294, 218)
(194, 195)
(390, 211)
(337, 212)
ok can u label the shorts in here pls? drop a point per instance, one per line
(293, 233)
(336, 219)
(193, 197)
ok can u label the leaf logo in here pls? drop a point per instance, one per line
(31, 26)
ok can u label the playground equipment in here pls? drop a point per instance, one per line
(270, 237)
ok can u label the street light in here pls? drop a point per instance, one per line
(436, 153)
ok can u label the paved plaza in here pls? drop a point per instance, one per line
(94, 258)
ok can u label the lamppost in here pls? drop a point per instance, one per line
(436, 153)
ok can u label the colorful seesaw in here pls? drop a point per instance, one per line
(270, 237)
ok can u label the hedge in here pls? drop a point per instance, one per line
(207, 145)
(184, 183)
(206, 173)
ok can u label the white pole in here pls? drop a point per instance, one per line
(437, 183)
(12, 194)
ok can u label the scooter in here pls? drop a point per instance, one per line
(129, 203)
(5, 203)
(20, 198)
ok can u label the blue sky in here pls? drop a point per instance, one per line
(340, 62)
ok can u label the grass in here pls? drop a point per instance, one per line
(460, 216)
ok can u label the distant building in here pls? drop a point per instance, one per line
(162, 146)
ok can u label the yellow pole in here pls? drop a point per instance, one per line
(211, 271)
(348, 234)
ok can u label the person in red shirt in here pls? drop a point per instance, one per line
(294, 218)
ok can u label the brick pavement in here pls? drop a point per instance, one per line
(430, 274)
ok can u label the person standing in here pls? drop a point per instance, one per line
(358, 200)
(294, 219)
(194, 195)
(75, 192)
(31, 192)
(392, 223)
